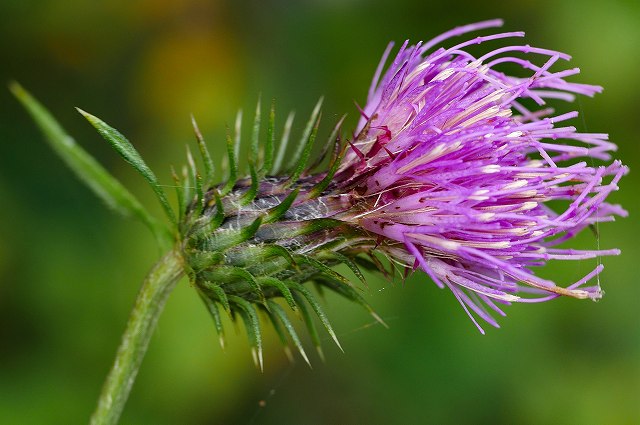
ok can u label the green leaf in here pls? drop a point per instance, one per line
(332, 140)
(351, 294)
(221, 241)
(346, 260)
(233, 166)
(308, 321)
(274, 250)
(303, 151)
(225, 273)
(279, 210)
(321, 267)
(179, 194)
(212, 308)
(282, 149)
(333, 168)
(280, 286)
(281, 333)
(237, 137)
(209, 168)
(187, 189)
(277, 311)
(195, 181)
(306, 135)
(250, 318)
(221, 296)
(219, 217)
(131, 155)
(253, 153)
(202, 260)
(269, 146)
(251, 193)
(318, 310)
(88, 170)
(317, 225)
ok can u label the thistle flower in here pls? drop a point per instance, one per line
(451, 171)
(450, 164)
(448, 172)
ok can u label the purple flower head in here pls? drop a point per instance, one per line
(455, 172)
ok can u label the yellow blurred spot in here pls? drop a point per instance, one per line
(188, 71)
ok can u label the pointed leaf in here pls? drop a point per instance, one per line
(279, 210)
(219, 217)
(209, 168)
(250, 194)
(278, 312)
(332, 140)
(280, 286)
(222, 273)
(252, 324)
(282, 149)
(351, 294)
(225, 240)
(281, 333)
(347, 261)
(308, 321)
(253, 153)
(221, 296)
(328, 178)
(215, 315)
(237, 139)
(179, 194)
(303, 158)
(321, 267)
(233, 166)
(195, 180)
(269, 146)
(130, 155)
(302, 144)
(317, 309)
(274, 250)
(86, 168)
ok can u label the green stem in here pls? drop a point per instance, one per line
(149, 304)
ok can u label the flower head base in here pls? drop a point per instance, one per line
(451, 164)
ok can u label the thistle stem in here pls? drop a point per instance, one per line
(157, 286)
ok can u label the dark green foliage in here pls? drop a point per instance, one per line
(212, 308)
(341, 258)
(257, 239)
(278, 211)
(250, 241)
(275, 311)
(281, 287)
(249, 315)
(255, 135)
(131, 155)
(270, 143)
(88, 170)
(303, 152)
(282, 149)
(250, 194)
(209, 167)
(233, 166)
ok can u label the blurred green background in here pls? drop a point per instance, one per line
(70, 269)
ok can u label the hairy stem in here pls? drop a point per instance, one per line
(149, 304)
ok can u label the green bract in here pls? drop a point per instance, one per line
(248, 241)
